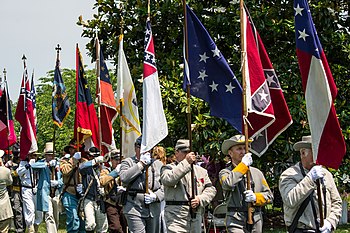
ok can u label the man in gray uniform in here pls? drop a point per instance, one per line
(233, 180)
(176, 178)
(142, 207)
(298, 190)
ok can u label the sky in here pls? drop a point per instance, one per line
(34, 28)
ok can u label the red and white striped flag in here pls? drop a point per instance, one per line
(320, 91)
(155, 127)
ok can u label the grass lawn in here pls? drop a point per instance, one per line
(340, 229)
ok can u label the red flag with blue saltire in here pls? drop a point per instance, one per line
(155, 127)
(7, 130)
(320, 90)
(33, 97)
(86, 123)
(25, 116)
(108, 106)
(262, 72)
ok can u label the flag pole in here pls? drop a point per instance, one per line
(245, 110)
(58, 48)
(120, 101)
(149, 17)
(98, 88)
(25, 81)
(188, 110)
(7, 112)
(76, 90)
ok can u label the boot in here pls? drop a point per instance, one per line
(36, 228)
(31, 229)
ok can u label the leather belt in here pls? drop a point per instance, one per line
(16, 188)
(243, 209)
(177, 203)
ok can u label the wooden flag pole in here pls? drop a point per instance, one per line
(98, 91)
(188, 110)
(7, 113)
(245, 110)
(121, 102)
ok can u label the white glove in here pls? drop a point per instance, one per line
(117, 169)
(53, 163)
(98, 159)
(149, 198)
(32, 161)
(80, 188)
(146, 158)
(315, 173)
(120, 189)
(54, 183)
(101, 191)
(35, 190)
(77, 155)
(66, 156)
(247, 159)
(327, 227)
(9, 164)
(249, 196)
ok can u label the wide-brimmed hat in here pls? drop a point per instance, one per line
(183, 145)
(238, 139)
(306, 142)
(72, 144)
(48, 148)
(115, 154)
(138, 141)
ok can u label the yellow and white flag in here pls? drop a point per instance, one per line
(126, 99)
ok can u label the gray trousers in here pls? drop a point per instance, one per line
(140, 225)
(16, 202)
(236, 223)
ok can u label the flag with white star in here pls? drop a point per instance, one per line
(210, 77)
(268, 113)
(155, 126)
(108, 111)
(25, 116)
(328, 144)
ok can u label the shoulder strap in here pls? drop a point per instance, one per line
(69, 179)
(301, 209)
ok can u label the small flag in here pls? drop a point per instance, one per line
(86, 123)
(210, 77)
(262, 71)
(60, 102)
(25, 116)
(126, 98)
(155, 127)
(320, 90)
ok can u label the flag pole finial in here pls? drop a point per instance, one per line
(24, 58)
(58, 49)
(5, 72)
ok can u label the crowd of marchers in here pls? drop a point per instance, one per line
(151, 192)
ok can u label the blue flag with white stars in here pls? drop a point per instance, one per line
(210, 77)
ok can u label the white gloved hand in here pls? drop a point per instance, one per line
(32, 161)
(249, 196)
(327, 227)
(66, 156)
(101, 191)
(120, 189)
(315, 172)
(54, 183)
(117, 169)
(80, 188)
(77, 155)
(53, 163)
(98, 159)
(150, 197)
(35, 190)
(9, 164)
(146, 158)
(247, 159)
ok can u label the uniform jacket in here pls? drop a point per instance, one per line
(176, 178)
(5, 180)
(87, 172)
(44, 186)
(132, 175)
(67, 166)
(295, 188)
(25, 174)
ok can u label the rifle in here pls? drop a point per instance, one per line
(81, 200)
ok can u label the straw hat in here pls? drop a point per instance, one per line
(48, 148)
(183, 145)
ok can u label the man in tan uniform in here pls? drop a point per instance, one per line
(233, 180)
(297, 184)
(176, 178)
